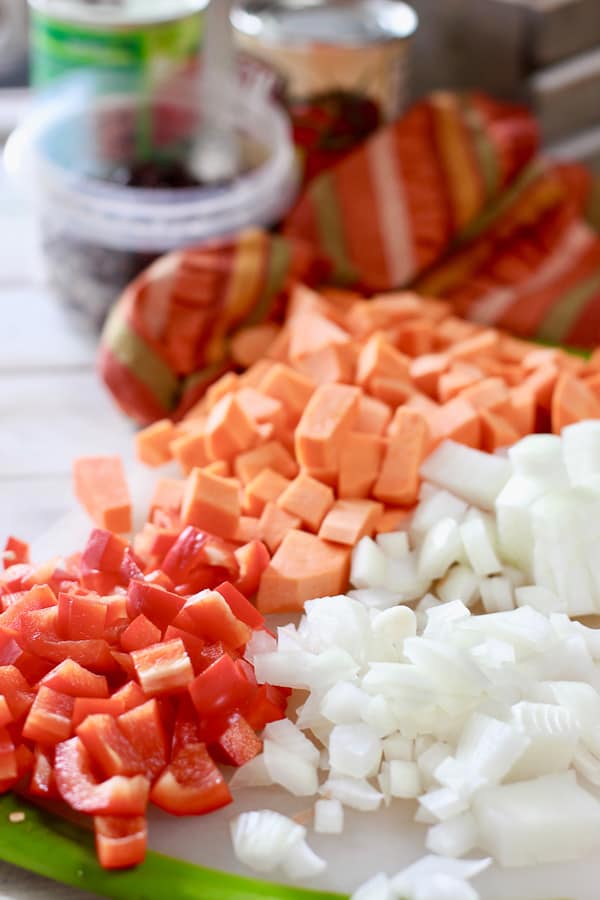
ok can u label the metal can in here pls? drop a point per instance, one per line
(341, 66)
(140, 42)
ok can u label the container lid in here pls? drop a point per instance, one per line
(109, 13)
(343, 22)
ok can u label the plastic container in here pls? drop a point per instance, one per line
(96, 234)
(138, 40)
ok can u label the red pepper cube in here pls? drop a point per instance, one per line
(116, 609)
(103, 552)
(43, 783)
(253, 558)
(6, 715)
(143, 727)
(266, 705)
(191, 785)
(39, 633)
(240, 606)
(15, 551)
(39, 597)
(50, 718)
(15, 690)
(209, 616)
(81, 617)
(108, 747)
(163, 668)
(221, 689)
(140, 633)
(157, 604)
(238, 744)
(129, 696)
(120, 841)
(118, 796)
(9, 649)
(196, 552)
(68, 677)
(90, 706)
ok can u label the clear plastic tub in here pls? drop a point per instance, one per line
(97, 234)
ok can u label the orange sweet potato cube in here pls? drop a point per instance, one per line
(211, 502)
(308, 499)
(349, 520)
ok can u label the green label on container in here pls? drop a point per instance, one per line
(142, 54)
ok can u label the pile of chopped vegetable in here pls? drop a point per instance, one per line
(122, 678)
(319, 441)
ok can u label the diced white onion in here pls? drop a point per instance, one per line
(263, 838)
(329, 817)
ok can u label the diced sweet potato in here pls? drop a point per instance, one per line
(308, 499)
(211, 503)
(152, 444)
(349, 520)
(327, 420)
(398, 481)
(100, 486)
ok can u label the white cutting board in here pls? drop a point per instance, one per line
(387, 840)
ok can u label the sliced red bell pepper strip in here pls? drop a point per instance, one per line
(120, 841)
(191, 784)
(118, 796)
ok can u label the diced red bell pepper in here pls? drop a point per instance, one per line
(191, 784)
(186, 728)
(154, 602)
(152, 544)
(130, 695)
(43, 782)
(143, 727)
(49, 720)
(101, 582)
(90, 706)
(39, 597)
(160, 578)
(131, 567)
(116, 608)
(194, 554)
(81, 615)
(7, 600)
(108, 747)
(103, 552)
(16, 691)
(16, 577)
(39, 633)
(240, 606)
(15, 551)
(267, 704)
(253, 558)
(6, 716)
(32, 667)
(120, 841)
(10, 651)
(113, 634)
(69, 677)
(163, 668)
(238, 744)
(209, 616)
(8, 757)
(221, 689)
(139, 633)
(124, 662)
(118, 796)
(194, 646)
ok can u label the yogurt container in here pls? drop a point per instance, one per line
(97, 234)
(139, 42)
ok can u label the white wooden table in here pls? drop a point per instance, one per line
(52, 408)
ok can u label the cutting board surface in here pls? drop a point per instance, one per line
(387, 840)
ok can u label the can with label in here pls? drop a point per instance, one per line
(140, 42)
(340, 65)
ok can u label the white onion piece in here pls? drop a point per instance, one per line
(263, 838)
(369, 565)
(478, 547)
(438, 505)
(289, 770)
(329, 817)
(251, 774)
(396, 746)
(301, 862)
(341, 702)
(356, 793)
(404, 779)
(472, 475)
(376, 597)
(548, 819)
(389, 628)
(540, 457)
(287, 735)
(540, 598)
(444, 887)
(394, 544)
(415, 876)
(553, 733)
(354, 750)
(260, 642)
(496, 594)
(441, 547)
(460, 583)
(454, 837)
(581, 451)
